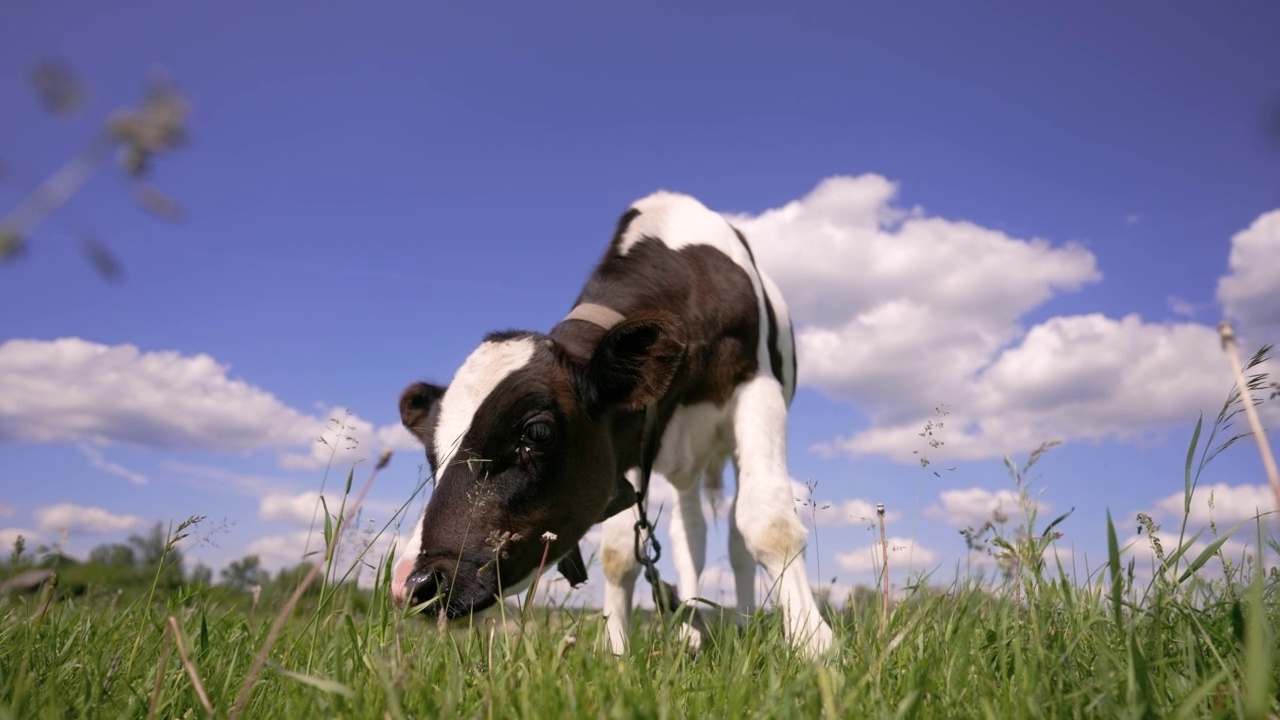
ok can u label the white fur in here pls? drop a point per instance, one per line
(487, 366)
(407, 555)
(785, 345)
(752, 429)
(763, 528)
(483, 370)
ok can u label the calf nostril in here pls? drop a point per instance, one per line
(424, 585)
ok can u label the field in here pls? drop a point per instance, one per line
(1196, 639)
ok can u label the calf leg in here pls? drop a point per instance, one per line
(765, 511)
(688, 536)
(618, 560)
(743, 564)
(688, 546)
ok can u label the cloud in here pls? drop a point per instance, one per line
(80, 519)
(973, 507)
(287, 550)
(204, 476)
(901, 552)
(74, 390)
(361, 552)
(1231, 504)
(302, 508)
(900, 312)
(1180, 307)
(9, 536)
(814, 510)
(6, 510)
(1248, 291)
(1132, 219)
(98, 460)
(345, 438)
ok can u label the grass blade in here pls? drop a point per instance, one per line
(332, 687)
(1191, 456)
(1113, 565)
(1210, 549)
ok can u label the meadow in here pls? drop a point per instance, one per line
(1034, 639)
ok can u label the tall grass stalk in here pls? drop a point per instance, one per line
(1228, 336)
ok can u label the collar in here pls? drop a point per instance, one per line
(596, 315)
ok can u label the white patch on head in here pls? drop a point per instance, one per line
(489, 365)
(410, 546)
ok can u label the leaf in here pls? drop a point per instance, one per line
(12, 245)
(102, 259)
(1172, 560)
(1209, 550)
(323, 685)
(1257, 649)
(1057, 520)
(328, 524)
(204, 633)
(1113, 563)
(1191, 455)
(153, 201)
(58, 88)
(1141, 670)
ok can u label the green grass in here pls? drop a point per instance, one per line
(1062, 651)
(1035, 641)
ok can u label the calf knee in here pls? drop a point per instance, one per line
(619, 564)
(774, 539)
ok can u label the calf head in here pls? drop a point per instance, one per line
(524, 442)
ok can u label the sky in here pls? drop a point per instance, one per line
(997, 225)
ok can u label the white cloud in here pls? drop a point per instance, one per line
(74, 390)
(98, 460)
(902, 551)
(301, 508)
(850, 511)
(900, 312)
(1180, 307)
(279, 551)
(1231, 504)
(1248, 292)
(289, 549)
(973, 507)
(8, 536)
(345, 438)
(203, 476)
(6, 510)
(80, 519)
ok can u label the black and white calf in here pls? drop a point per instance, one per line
(537, 433)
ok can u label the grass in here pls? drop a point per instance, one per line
(1035, 641)
(1065, 651)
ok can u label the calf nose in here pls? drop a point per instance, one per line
(424, 585)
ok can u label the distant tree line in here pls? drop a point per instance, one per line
(142, 560)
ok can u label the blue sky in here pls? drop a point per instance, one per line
(1024, 213)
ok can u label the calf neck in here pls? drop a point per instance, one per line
(535, 438)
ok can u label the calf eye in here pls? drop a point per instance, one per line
(537, 435)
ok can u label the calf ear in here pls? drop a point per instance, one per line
(634, 363)
(416, 403)
(624, 496)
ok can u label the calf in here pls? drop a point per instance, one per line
(540, 433)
